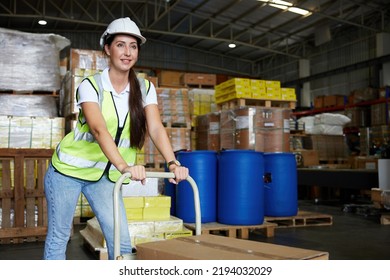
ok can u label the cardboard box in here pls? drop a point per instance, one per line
(376, 196)
(198, 79)
(334, 100)
(214, 247)
(169, 78)
(318, 102)
(309, 157)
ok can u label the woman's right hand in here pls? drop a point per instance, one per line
(138, 173)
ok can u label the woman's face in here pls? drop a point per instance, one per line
(123, 52)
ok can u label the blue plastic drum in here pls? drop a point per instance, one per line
(202, 166)
(240, 187)
(280, 185)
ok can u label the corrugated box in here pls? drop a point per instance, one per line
(198, 79)
(334, 100)
(309, 157)
(214, 247)
(319, 102)
(207, 130)
(169, 78)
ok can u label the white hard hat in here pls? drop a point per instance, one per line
(123, 26)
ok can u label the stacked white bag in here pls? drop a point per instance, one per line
(325, 123)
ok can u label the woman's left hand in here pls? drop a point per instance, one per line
(181, 173)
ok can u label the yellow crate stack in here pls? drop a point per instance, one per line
(258, 89)
(148, 218)
(273, 90)
(241, 88)
(232, 89)
(147, 207)
(288, 94)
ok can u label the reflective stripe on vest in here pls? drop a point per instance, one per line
(79, 155)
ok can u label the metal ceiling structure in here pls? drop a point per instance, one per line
(259, 30)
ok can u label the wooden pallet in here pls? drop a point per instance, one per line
(93, 246)
(231, 104)
(171, 124)
(302, 219)
(30, 92)
(234, 231)
(199, 86)
(22, 199)
(385, 219)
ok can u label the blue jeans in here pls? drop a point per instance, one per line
(62, 193)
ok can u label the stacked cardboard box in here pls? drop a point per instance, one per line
(198, 79)
(147, 207)
(208, 132)
(202, 101)
(31, 132)
(180, 138)
(374, 136)
(83, 63)
(232, 89)
(148, 218)
(329, 147)
(273, 90)
(257, 128)
(141, 231)
(168, 78)
(174, 106)
(288, 94)
(380, 114)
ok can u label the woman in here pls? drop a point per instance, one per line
(116, 110)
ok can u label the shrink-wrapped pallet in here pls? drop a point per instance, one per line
(30, 61)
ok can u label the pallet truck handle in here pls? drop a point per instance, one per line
(165, 175)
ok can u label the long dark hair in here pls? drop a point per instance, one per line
(136, 108)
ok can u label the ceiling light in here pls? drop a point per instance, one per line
(284, 5)
(42, 22)
(232, 45)
(299, 11)
(278, 2)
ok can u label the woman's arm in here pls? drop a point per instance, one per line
(160, 138)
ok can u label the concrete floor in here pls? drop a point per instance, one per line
(356, 234)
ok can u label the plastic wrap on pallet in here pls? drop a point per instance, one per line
(28, 105)
(30, 61)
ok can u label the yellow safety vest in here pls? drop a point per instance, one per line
(79, 155)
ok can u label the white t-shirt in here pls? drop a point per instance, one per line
(88, 94)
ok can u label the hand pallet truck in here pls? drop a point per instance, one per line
(117, 196)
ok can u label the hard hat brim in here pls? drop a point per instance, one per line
(103, 37)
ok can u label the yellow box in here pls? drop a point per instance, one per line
(176, 234)
(290, 97)
(145, 238)
(284, 90)
(235, 84)
(288, 94)
(257, 83)
(156, 213)
(259, 93)
(160, 201)
(272, 84)
(134, 214)
(133, 202)
(273, 93)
